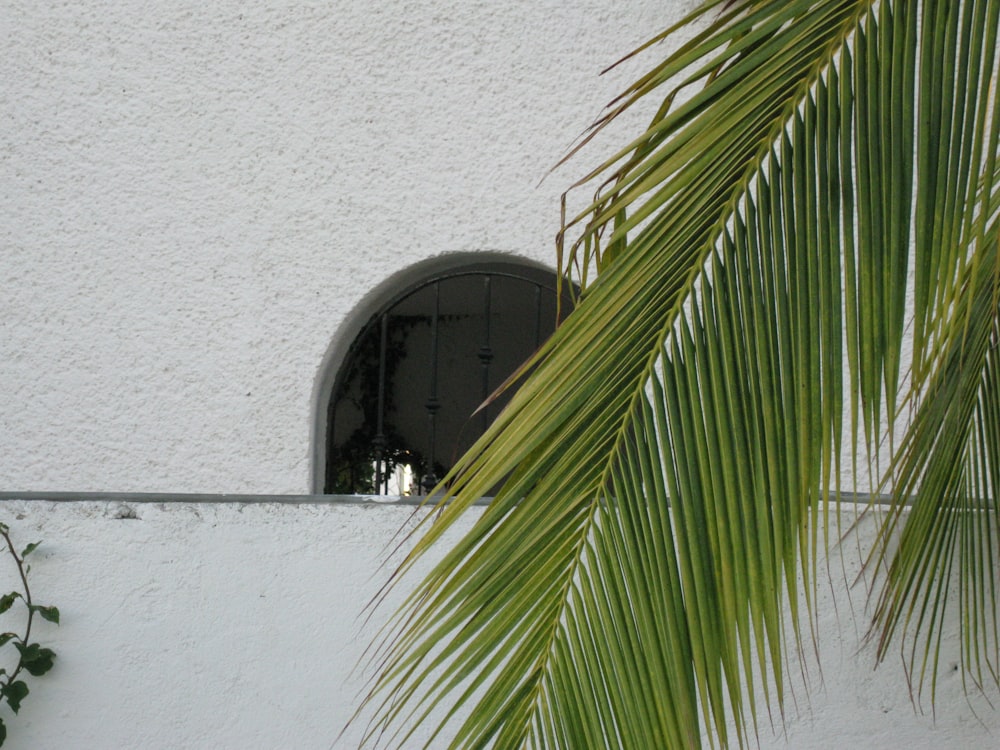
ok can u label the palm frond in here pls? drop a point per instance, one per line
(739, 340)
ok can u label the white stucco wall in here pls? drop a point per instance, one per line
(239, 626)
(195, 196)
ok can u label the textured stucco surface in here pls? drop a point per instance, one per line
(240, 626)
(195, 196)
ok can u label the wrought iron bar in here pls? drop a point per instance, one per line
(432, 406)
(486, 352)
(538, 315)
(379, 441)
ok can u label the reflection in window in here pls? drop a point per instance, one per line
(403, 402)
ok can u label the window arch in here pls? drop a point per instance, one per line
(400, 411)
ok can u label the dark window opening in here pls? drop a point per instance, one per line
(401, 411)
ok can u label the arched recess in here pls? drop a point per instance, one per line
(406, 370)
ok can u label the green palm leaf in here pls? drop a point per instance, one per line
(739, 341)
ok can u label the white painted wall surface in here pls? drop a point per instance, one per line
(194, 197)
(238, 627)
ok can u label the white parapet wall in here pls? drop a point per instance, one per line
(241, 624)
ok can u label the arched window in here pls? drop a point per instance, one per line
(401, 410)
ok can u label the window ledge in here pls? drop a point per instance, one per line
(175, 497)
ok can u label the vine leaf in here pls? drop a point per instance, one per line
(47, 613)
(15, 692)
(7, 600)
(35, 659)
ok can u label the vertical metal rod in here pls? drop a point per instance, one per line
(538, 316)
(331, 444)
(429, 479)
(486, 352)
(379, 442)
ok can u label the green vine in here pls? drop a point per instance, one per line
(33, 658)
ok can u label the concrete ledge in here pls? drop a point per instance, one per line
(180, 497)
(846, 498)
